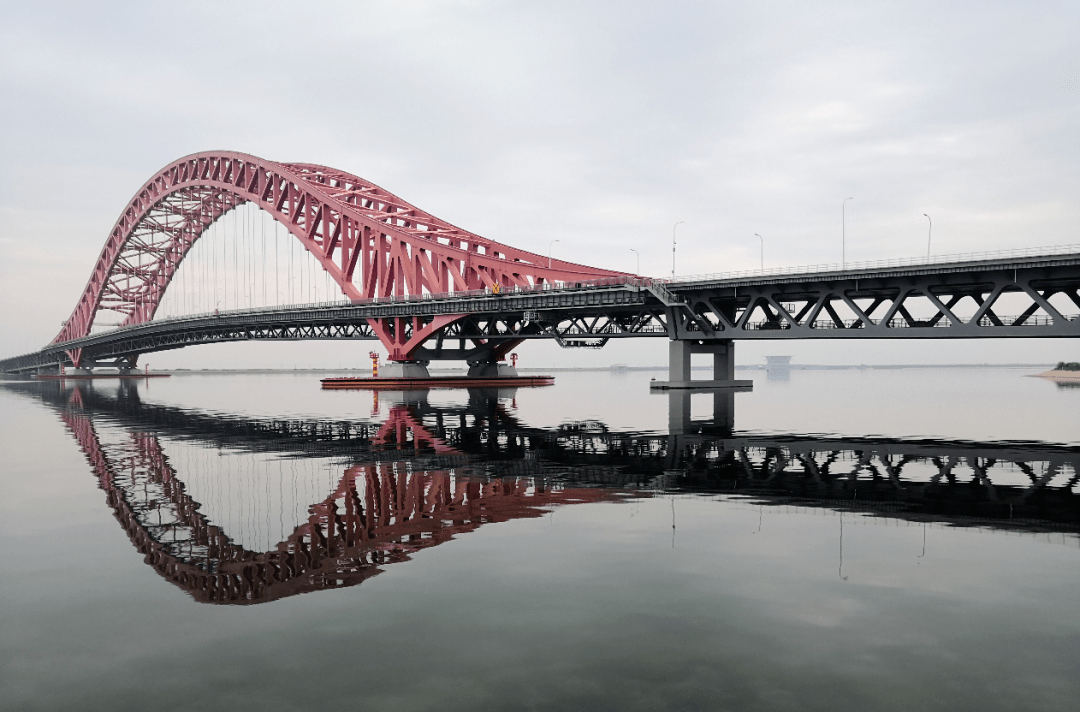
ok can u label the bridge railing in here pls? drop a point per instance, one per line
(576, 285)
(885, 264)
(506, 291)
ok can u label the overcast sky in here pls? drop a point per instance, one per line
(599, 124)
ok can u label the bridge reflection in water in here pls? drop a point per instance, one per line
(431, 472)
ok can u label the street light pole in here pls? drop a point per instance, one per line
(638, 270)
(549, 251)
(673, 248)
(762, 250)
(843, 232)
(929, 232)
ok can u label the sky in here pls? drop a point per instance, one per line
(597, 124)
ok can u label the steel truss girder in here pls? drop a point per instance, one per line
(879, 306)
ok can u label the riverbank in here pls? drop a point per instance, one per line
(1060, 376)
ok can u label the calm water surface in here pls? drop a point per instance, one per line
(841, 540)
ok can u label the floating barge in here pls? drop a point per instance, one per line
(412, 384)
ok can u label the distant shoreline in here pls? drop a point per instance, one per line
(623, 369)
(829, 367)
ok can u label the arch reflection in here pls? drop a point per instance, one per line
(427, 473)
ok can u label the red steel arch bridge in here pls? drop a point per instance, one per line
(428, 290)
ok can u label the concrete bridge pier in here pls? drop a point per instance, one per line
(490, 362)
(680, 374)
(405, 369)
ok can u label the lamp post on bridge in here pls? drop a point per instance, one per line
(673, 248)
(762, 250)
(637, 272)
(843, 232)
(549, 251)
(929, 232)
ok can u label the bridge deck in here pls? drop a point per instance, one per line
(861, 301)
(1031, 258)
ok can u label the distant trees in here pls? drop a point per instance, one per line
(1067, 366)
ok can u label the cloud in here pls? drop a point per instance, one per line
(596, 125)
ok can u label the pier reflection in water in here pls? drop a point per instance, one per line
(241, 510)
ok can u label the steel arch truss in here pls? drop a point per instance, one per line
(372, 243)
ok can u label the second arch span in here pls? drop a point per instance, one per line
(369, 241)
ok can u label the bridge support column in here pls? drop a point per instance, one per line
(679, 361)
(680, 375)
(724, 361)
(491, 364)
